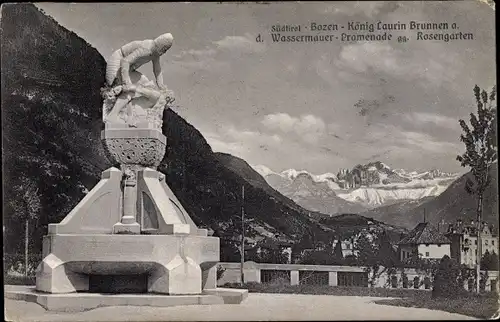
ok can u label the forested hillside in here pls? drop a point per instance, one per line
(51, 81)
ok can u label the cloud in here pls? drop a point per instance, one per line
(410, 65)
(207, 57)
(308, 127)
(391, 135)
(240, 43)
(207, 51)
(232, 133)
(239, 142)
(283, 121)
(368, 8)
(431, 118)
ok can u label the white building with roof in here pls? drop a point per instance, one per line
(426, 241)
(464, 241)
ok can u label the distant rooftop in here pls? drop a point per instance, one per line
(424, 233)
(470, 228)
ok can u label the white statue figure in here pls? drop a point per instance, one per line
(135, 54)
(144, 100)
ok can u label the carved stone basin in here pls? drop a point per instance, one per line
(134, 146)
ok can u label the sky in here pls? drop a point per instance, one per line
(318, 107)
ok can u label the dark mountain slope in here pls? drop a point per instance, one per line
(455, 203)
(243, 169)
(351, 224)
(51, 81)
(392, 213)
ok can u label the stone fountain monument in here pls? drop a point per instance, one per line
(130, 233)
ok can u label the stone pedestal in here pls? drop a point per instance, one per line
(165, 264)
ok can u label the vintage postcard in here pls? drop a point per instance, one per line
(250, 161)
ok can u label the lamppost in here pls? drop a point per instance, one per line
(242, 233)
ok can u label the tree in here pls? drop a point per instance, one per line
(306, 242)
(26, 207)
(220, 272)
(386, 255)
(317, 257)
(367, 256)
(377, 255)
(489, 261)
(366, 250)
(446, 279)
(322, 256)
(350, 260)
(270, 252)
(481, 152)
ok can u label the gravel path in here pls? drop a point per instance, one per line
(256, 307)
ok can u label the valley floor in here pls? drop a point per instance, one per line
(257, 306)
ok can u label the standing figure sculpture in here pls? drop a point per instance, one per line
(126, 87)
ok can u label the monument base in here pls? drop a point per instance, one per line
(165, 264)
(133, 228)
(77, 302)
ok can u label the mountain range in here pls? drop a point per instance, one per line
(315, 193)
(351, 191)
(396, 197)
(454, 203)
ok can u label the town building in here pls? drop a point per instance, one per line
(426, 241)
(275, 250)
(464, 245)
(348, 245)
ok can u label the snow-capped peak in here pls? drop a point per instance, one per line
(291, 174)
(371, 184)
(425, 175)
(263, 170)
(385, 166)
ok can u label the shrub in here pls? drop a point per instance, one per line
(19, 280)
(220, 272)
(446, 279)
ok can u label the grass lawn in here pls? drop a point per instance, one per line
(18, 280)
(329, 290)
(481, 306)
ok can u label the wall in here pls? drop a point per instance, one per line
(252, 273)
(409, 250)
(434, 250)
